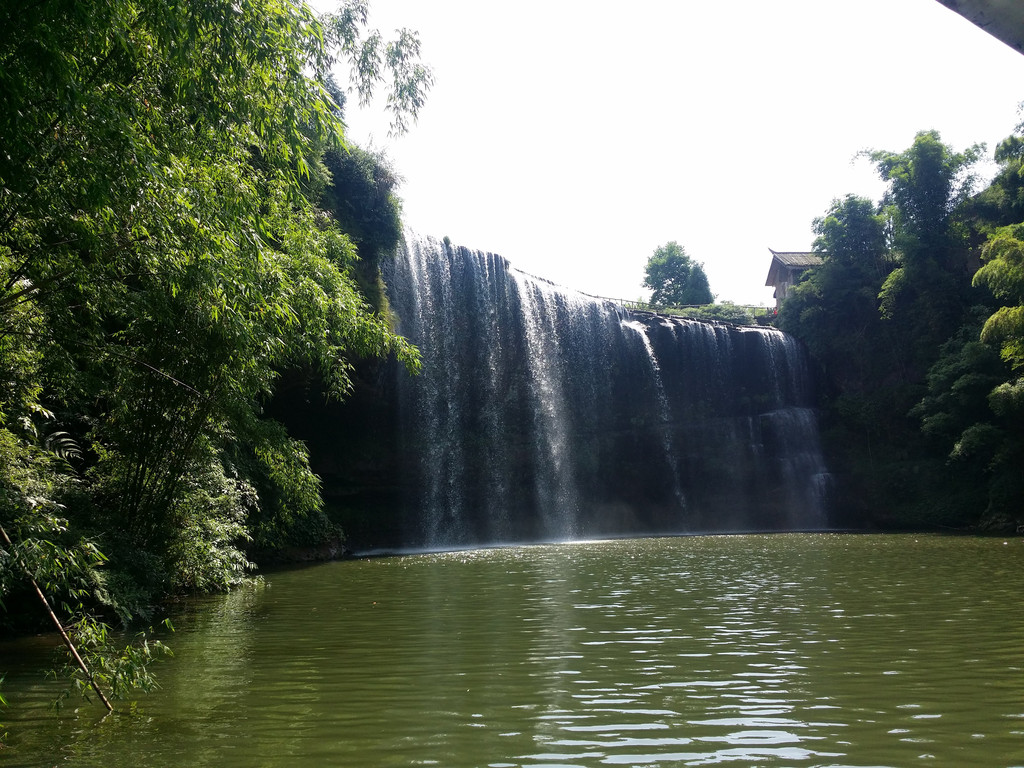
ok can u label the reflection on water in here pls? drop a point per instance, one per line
(752, 650)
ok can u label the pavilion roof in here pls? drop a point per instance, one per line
(792, 259)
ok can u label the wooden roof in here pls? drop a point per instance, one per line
(797, 258)
(793, 259)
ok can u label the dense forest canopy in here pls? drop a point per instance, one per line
(916, 322)
(181, 222)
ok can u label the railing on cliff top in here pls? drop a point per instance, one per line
(738, 314)
(643, 306)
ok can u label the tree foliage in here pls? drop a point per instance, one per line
(930, 288)
(163, 258)
(1003, 275)
(675, 279)
(923, 413)
(834, 309)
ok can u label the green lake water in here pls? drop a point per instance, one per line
(778, 650)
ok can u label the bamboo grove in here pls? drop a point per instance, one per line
(168, 250)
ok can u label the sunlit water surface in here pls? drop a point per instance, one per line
(787, 650)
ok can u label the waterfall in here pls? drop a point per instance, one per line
(664, 409)
(544, 414)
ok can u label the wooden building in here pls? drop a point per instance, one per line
(786, 269)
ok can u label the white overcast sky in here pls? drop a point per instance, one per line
(574, 137)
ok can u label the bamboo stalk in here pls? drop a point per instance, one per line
(60, 627)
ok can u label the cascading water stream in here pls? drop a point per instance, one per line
(542, 414)
(555, 478)
(664, 410)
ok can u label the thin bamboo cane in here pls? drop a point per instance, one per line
(60, 628)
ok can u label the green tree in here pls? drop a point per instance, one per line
(834, 309)
(1002, 202)
(1003, 275)
(970, 414)
(177, 285)
(162, 260)
(973, 415)
(929, 290)
(922, 419)
(675, 279)
(984, 443)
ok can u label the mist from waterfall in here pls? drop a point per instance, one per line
(543, 414)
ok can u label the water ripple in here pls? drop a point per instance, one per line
(753, 650)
